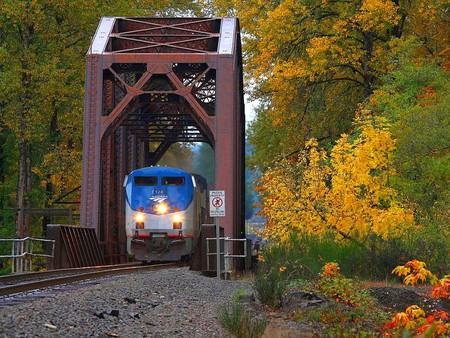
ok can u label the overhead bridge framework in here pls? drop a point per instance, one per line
(152, 82)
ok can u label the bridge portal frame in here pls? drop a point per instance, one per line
(111, 148)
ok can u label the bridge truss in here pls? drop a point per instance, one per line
(152, 82)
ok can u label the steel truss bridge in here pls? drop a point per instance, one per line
(152, 82)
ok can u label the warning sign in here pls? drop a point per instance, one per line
(217, 203)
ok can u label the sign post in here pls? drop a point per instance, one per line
(217, 209)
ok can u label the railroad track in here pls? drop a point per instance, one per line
(14, 284)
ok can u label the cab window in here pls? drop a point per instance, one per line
(173, 181)
(145, 180)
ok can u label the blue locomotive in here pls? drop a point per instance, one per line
(165, 208)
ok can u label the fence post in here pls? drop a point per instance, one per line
(13, 260)
(30, 252)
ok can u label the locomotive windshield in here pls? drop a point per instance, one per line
(149, 186)
(145, 180)
(173, 181)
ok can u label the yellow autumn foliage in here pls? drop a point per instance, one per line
(346, 192)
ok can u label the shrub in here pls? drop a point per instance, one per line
(279, 264)
(351, 310)
(270, 285)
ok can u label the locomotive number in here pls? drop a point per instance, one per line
(158, 192)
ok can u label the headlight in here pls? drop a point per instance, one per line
(177, 224)
(161, 208)
(139, 217)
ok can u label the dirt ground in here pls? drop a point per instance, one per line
(398, 298)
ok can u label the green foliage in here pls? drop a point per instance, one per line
(249, 195)
(5, 268)
(334, 285)
(41, 95)
(203, 162)
(416, 100)
(350, 256)
(179, 155)
(304, 256)
(429, 243)
(270, 137)
(239, 322)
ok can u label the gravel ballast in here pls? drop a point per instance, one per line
(165, 303)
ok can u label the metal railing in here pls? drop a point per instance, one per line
(22, 252)
(226, 254)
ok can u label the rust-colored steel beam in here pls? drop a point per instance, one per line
(160, 81)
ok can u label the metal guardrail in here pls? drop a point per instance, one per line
(226, 254)
(75, 246)
(22, 252)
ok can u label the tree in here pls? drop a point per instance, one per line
(179, 155)
(42, 62)
(203, 162)
(345, 193)
(416, 101)
(311, 63)
(427, 23)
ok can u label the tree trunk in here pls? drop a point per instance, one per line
(3, 198)
(23, 186)
(24, 174)
(368, 71)
(48, 196)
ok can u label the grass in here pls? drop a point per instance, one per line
(239, 322)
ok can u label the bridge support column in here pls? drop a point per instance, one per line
(229, 145)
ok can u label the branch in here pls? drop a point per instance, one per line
(434, 151)
(356, 70)
(340, 79)
(73, 43)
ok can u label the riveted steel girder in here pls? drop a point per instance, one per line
(160, 80)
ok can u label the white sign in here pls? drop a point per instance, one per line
(226, 37)
(217, 203)
(101, 37)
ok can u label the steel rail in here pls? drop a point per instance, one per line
(80, 274)
(47, 273)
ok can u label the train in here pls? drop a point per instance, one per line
(165, 208)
